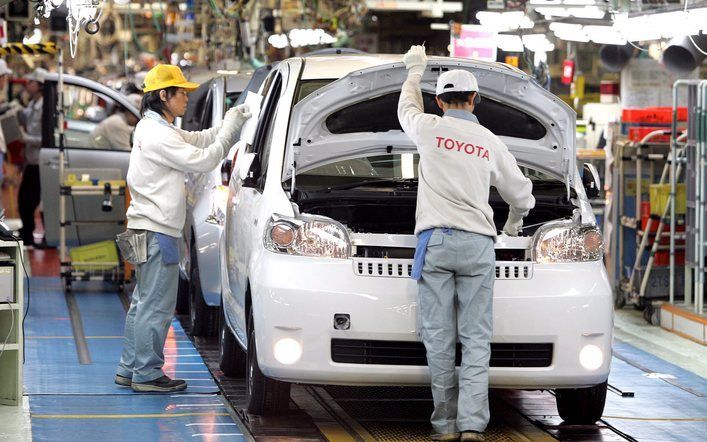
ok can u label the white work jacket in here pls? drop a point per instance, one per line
(112, 133)
(459, 161)
(161, 155)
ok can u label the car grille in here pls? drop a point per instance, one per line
(358, 351)
(402, 268)
(392, 268)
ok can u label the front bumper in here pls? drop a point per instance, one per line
(568, 305)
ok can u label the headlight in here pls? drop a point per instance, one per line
(307, 236)
(567, 242)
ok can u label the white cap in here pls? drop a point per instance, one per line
(456, 80)
(36, 75)
(4, 70)
(135, 99)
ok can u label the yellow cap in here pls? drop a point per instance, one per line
(167, 75)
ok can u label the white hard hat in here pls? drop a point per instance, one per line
(456, 80)
(4, 70)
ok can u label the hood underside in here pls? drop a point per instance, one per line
(316, 137)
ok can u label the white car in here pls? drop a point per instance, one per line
(318, 241)
(199, 291)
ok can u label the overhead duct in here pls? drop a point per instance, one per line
(681, 56)
(614, 58)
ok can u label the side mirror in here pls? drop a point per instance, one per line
(591, 181)
(244, 168)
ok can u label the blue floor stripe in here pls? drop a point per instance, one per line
(62, 391)
(123, 418)
(660, 411)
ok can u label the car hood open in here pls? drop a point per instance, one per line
(311, 144)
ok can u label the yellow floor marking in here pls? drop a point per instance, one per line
(666, 419)
(327, 424)
(122, 416)
(334, 432)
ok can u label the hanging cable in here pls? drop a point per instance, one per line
(139, 45)
(636, 46)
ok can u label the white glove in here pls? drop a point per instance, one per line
(415, 60)
(514, 223)
(513, 226)
(235, 118)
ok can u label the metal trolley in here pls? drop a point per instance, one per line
(695, 163)
(113, 271)
(638, 278)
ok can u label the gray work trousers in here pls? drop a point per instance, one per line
(456, 294)
(149, 317)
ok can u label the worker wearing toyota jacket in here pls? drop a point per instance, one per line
(161, 155)
(455, 259)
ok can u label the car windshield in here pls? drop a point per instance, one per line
(387, 169)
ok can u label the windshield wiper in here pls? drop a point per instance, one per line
(398, 182)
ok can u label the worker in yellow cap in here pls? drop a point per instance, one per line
(161, 155)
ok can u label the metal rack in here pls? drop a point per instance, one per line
(93, 271)
(11, 316)
(642, 283)
(695, 162)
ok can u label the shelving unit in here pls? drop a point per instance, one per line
(639, 164)
(11, 326)
(687, 317)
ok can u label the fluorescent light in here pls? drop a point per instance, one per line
(587, 12)
(569, 32)
(510, 43)
(607, 35)
(504, 21)
(545, 2)
(439, 26)
(538, 43)
(309, 37)
(279, 41)
(550, 12)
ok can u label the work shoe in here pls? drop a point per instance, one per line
(163, 385)
(472, 436)
(123, 381)
(445, 437)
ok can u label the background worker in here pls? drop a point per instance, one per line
(455, 258)
(161, 155)
(5, 74)
(115, 131)
(30, 192)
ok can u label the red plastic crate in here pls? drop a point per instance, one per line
(658, 115)
(637, 133)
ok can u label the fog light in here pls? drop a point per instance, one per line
(591, 357)
(287, 351)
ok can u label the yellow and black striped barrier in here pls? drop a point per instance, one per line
(32, 49)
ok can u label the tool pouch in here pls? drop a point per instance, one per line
(133, 246)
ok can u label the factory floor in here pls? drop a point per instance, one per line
(659, 387)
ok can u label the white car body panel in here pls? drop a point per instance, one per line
(568, 305)
(201, 205)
